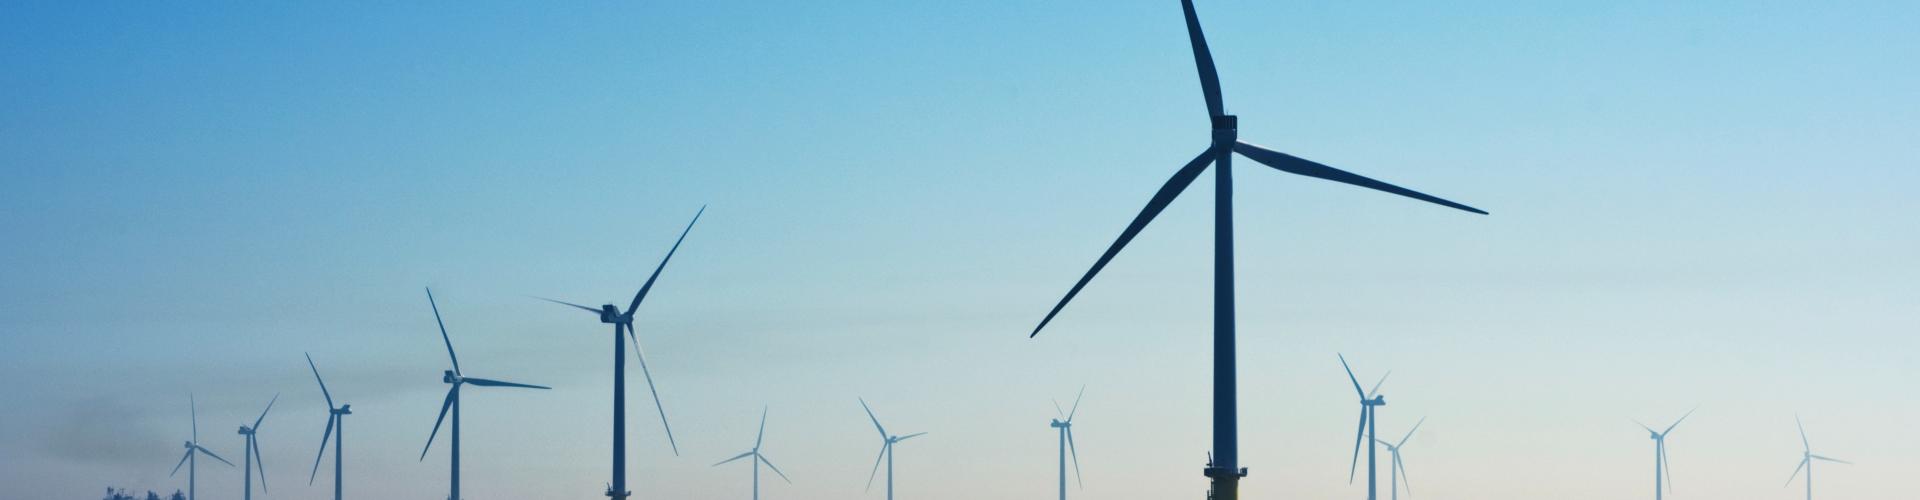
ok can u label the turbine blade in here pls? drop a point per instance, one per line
(1181, 179)
(193, 408)
(1834, 460)
(1076, 459)
(1203, 61)
(323, 383)
(259, 462)
(1803, 434)
(648, 374)
(876, 464)
(1376, 385)
(1416, 426)
(663, 262)
(763, 429)
(323, 449)
(876, 420)
(444, 406)
(263, 413)
(564, 303)
(1644, 426)
(211, 454)
(183, 461)
(496, 383)
(1057, 410)
(1350, 377)
(1796, 472)
(735, 457)
(776, 470)
(1359, 435)
(443, 331)
(910, 436)
(1402, 468)
(1676, 423)
(1666, 463)
(1076, 404)
(1296, 165)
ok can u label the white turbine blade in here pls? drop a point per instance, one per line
(876, 420)
(1676, 423)
(776, 470)
(763, 428)
(443, 331)
(1077, 477)
(323, 383)
(648, 374)
(1401, 467)
(1350, 377)
(565, 303)
(1416, 426)
(210, 453)
(323, 449)
(1301, 166)
(1359, 436)
(876, 464)
(1796, 472)
(1644, 426)
(1058, 411)
(263, 413)
(1666, 463)
(1076, 405)
(909, 436)
(183, 461)
(735, 457)
(445, 405)
(1376, 385)
(1834, 460)
(1803, 434)
(193, 408)
(259, 463)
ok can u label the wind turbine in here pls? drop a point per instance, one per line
(886, 450)
(336, 426)
(1065, 424)
(1806, 459)
(194, 448)
(1400, 468)
(253, 459)
(1662, 470)
(455, 379)
(624, 321)
(1224, 467)
(758, 458)
(1369, 402)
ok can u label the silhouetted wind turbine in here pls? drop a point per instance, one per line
(757, 457)
(624, 321)
(1065, 424)
(1224, 467)
(253, 459)
(336, 426)
(455, 379)
(1400, 468)
(1662, 469)
(886, 450)
(193, 448)
(1806, 459)
(1369, 402)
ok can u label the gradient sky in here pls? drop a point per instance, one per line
(1694, 203)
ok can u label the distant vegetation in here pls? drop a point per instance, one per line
(121, 494)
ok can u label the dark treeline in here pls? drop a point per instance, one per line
(121, 494)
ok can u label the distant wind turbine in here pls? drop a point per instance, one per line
(1399, 467)
(1065, 424)
(336, 427)
(1224, 467)
(194, 449)
(758, 458)
(253, 459)
(1662, 469)
(455, 379)
(1369, 401)
(886, 450)
(624, 322)
(1806, 459)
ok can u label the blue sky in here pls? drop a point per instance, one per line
(1702, 204)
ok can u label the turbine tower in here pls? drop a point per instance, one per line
(1065, 424)
(336, 426)
(1224, 468)
(886, 450)
(1400, 468)
(252, 451)
(758, 458)
(1369, 402)
(1806, 459)
(455, 379)
(1662, 469)
(624, 322)
(193, 449)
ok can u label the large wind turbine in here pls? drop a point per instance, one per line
(1065, 424)
(1225, 470)
(624, 321)
(336, 426)
(1369, 401)
(1806, 459)
(1399, 467)
(194, 448)
(757, 457)
(455, 379)
(253, 459)
(1662, 469)
(886, 450)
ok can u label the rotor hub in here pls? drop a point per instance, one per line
(449, 377)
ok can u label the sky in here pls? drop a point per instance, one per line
(1694, 204)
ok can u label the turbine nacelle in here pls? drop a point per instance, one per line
(188, 445)
(1057, 424)
(1376, 401)
(450, 378)
(611, 314)
(246, 431)
(342, 410)
(1226, 130)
